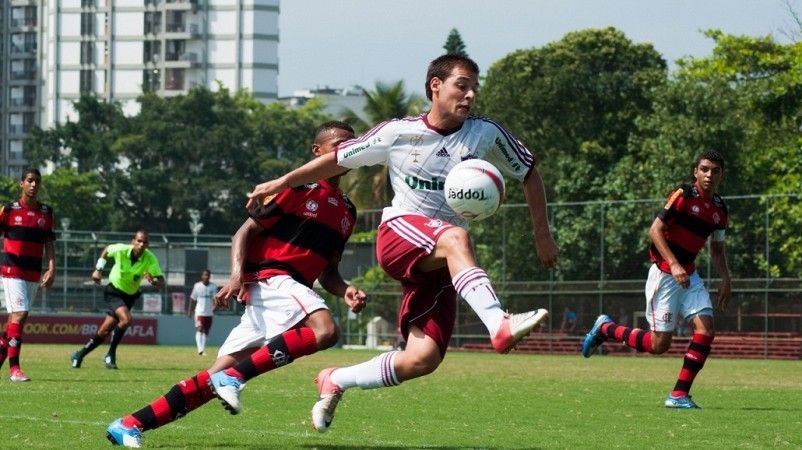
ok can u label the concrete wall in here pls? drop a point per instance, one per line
(180, 330)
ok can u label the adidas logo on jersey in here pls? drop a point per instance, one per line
(443, 153)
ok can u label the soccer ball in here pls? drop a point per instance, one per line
(474, 189)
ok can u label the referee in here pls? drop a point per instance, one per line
(132, 263)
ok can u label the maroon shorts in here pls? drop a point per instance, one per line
(203, 323)
(429, 300)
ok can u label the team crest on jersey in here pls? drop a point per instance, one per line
(434, 223)
(333, 201)
(465, 154)
(695, 209)
(716, 218)
(416, 140)
(311, 205)
(667, 317)
(41, 222)
(17, 219)
(345, 224)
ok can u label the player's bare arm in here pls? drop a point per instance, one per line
(719, 259)
(333, 282)
(239, 250)
(656, 233)
(547, 250)
(97, 275)
(50, 274)
(322, 167)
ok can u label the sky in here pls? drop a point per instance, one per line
(341, 43)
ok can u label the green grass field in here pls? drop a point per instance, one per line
(472, 401)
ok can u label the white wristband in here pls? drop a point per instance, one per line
(101, 263)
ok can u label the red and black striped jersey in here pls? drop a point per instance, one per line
(691, 219)
(26, 230)
(305, 228)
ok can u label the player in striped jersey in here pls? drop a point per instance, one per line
(421, 242)
(286, 244)
(674, 288)
(27, 226)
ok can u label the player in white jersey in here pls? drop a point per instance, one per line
(202, 297)
(420, 241)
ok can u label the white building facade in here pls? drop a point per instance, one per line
(116, 49)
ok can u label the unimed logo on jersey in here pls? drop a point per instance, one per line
(503, 148)
(435, 184)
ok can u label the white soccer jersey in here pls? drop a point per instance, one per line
(204, 297)
(419, 156)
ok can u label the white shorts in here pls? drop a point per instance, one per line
(666, 299)
(275, 305)
(19, 294)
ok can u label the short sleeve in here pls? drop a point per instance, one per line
(268, 213)
(672, 206)
(506, 152)
(369, 149)
(153, 267)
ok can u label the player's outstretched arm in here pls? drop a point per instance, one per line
(319, 168)
(547, 250)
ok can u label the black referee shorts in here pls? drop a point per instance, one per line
(115, 298)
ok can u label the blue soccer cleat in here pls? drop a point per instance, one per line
(227, 389)
(594, 338)
(683, 402)
(119, 434)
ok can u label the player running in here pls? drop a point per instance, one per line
(285, 245)
(27, 226)
(421, 242)
(674, 288)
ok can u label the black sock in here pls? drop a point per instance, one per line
(91, 345)
(116, 336)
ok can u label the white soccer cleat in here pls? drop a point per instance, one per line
(330, 395)
(227, 389)
(515, 327)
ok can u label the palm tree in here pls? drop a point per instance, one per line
(369, 187)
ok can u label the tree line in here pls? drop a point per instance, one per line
(606, 117)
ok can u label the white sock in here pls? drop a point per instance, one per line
(202, 342)
(474, 286)
(199, 341)
(374, 373)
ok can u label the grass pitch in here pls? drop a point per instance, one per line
(472, 401)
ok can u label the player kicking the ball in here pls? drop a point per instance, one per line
(674, 288)
(285, 245)
(421, 242)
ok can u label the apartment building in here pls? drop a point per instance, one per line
(53, 51)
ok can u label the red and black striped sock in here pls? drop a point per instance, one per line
(182, 398)
(14, 342)
(3, 349)
(637, 338)
(694, 360)
(281, 350)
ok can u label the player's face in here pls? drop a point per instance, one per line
(330, 140)
(708, 175)
(140, 243)
(455, 95)
(205, 278)
(30, 185)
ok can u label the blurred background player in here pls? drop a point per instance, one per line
(674, 289)
(27, 227)
(421, 242)
(202, 300)
(132, 263)
(275, 257)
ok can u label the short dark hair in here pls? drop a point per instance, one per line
(30, 170)
(141, 230)
(332, 124)
(442, 66)
(710, 155)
